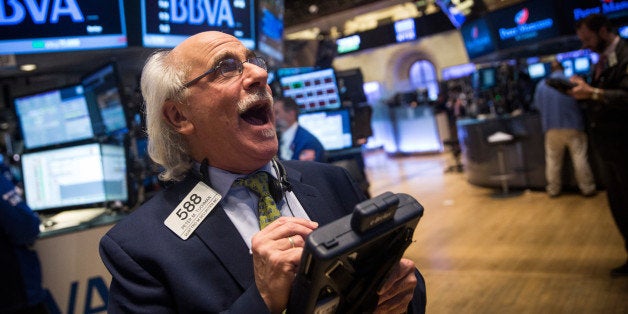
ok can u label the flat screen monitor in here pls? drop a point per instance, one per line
(54, 117)
(623, 31)
(525, 23)
(105, 100)
(56, 26)
(537, 70)
(581, 65)
(331, 127)
(453, 10)
(312, 91)
(165, 24)
(477, 37)
(568, 67)
(270, 39)
(82, 176)
(485, 78)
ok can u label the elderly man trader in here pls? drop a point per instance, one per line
(208, 128)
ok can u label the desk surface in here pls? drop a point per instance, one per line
(77, 219)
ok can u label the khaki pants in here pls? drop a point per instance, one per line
(576, 142)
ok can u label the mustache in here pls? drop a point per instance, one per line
(255, 97)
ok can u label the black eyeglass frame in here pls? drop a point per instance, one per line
(258, 61)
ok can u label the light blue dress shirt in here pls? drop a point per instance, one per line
(240, 203)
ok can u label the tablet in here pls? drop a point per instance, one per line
(561, 85)
(345, 262)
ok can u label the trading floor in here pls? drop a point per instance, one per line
(524, 254)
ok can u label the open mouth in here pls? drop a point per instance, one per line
(256, 115)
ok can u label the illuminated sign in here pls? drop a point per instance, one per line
(405, 30)
(166, 23)
(606, 7)
(524, 24)
(477, 38)
(348, 44)
(31, 26)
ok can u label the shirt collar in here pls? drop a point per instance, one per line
(287, 136)
(222, 180)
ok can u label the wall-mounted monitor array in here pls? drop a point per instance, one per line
(72, 113)
(31, 26)
(88, 175)
(313, 91)
(56, 26)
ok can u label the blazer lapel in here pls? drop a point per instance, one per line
(222, 238)
(310, 198)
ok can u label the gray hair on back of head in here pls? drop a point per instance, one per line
(162, 80)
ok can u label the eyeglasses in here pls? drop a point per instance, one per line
(229, 68)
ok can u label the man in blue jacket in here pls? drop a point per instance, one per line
(227, 235)
(20, 272)
(563, 124)
(295, 142)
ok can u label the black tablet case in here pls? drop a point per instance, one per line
(345, 262)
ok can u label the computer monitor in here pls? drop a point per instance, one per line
(82, 176)
(537, 70)
(313, 91)
(582, 65)
(331, 127)
(54, 117)
(105, 100)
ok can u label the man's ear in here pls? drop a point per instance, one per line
(177, 118)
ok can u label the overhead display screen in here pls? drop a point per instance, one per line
(271, 28)
(477, 37)
(30, 26)
(525, 23)
(166, 23)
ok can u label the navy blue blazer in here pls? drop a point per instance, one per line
(155, 271)
(303, 139)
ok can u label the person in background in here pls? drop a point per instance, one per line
(295, 142)
(606, 101)
(227, 233)
(562, 122)
(21, 291)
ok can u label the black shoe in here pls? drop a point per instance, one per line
(620, 271)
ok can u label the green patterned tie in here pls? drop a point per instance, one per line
(266, 206)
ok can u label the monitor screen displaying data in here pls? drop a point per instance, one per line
(75, 177)
(312, 91)
(331, 127)
(104, 98)
(54, 117)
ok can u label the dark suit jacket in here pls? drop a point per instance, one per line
(303, 139)
(154, 271)
(607, 118)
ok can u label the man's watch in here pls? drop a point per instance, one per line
(597, 94)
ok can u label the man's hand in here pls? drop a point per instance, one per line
(582, 90)
(398, 289)
(277, 251)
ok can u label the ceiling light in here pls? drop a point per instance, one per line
(313, 9)
(28, 67)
